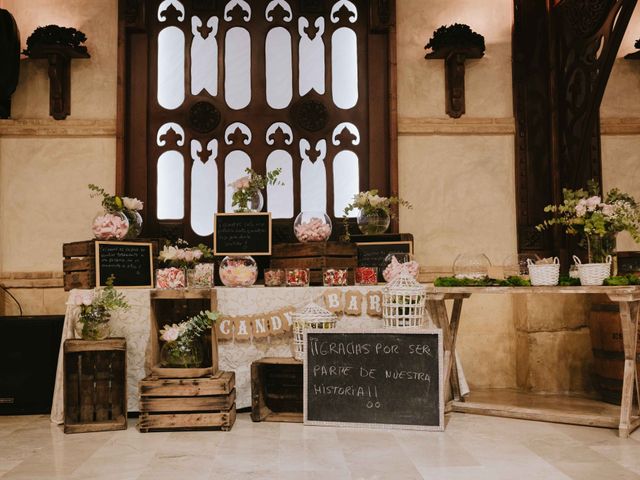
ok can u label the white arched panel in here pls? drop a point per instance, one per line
(346, 181)
(237, 63)
(313, 187)
(170, 68)
(204, 188)
(204, 58)
(235, 164)
(311, 58)
(278, 68)
(170, 187)
(344, 68)
(280, 197)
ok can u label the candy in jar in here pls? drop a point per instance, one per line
(396, 265)
(366, 276)
(170, 278)
(312, 227)
(334, 277)
(238, 271)
(298, 277)
(273, 277)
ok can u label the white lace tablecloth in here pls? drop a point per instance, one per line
(134, 326)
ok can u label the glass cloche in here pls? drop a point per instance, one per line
(471, 265)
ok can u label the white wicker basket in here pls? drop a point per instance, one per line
(545, 274)
(593, 273)
(311, 316)
(403, 301)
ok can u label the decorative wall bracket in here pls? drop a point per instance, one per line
(454, 68)
(59, 58)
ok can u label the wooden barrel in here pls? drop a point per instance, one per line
(608, 350)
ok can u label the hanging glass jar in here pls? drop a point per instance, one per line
(238, 271)
(135, 224)
(110, 226)
(92, 323)
(182, 354)
(374, 223)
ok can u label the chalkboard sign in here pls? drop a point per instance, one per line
(242, 234)
(387, 378)
(373, 254)
(131, 264)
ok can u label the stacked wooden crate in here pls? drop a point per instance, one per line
(185, 398)
(95, 379)
(79, 263)
(315, 257)
(276, 390)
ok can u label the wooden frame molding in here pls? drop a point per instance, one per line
(462, 126)
(36, 127)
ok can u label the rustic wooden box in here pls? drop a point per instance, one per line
(187, 404)
(95, 385)
(79, 262)
(174, 306)
(315, 256)
(276, 390)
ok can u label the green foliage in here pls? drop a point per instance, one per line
(567, 281)
(111, 203)
(247, 187)
(55, 35)
(456, 35)
(622, 280)
(513, 281)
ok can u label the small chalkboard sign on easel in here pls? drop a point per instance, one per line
(130, 264)
(373, 254)
(242, 234)
(391, 378)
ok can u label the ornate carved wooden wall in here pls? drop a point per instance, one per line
(563, 55)
(214, 86)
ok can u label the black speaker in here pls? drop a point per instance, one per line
(28, 362)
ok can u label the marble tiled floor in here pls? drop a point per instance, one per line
(472, 447)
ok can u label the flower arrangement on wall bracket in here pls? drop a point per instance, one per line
(455, 44)
(456, 36)
(634, 55)
(595, 219)
(56, 35)
(247, 195)
(375, 212)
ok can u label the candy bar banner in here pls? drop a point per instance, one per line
(280, 322)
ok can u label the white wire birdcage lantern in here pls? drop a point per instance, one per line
(403, 301)
(311, 316)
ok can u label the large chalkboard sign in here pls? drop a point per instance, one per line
(242, 234)
(388, 378)
(131, 264)
(373, 254)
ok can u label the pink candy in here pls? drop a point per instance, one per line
(395, 267)
(236, 273)
(109, 226)
(315, 230)
(170, 278)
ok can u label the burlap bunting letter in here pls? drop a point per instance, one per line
(288, 318)
(353, 303)
(374, 304)
(224, 328)
(261, 326)
(334, 301)
(242, 327)
(276, 323)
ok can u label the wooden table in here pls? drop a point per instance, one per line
(537, 407)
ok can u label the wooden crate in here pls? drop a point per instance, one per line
(315, 256)
(175, 306)
(187, 404)
(95, 385)
(276, 390)
(79, 262)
